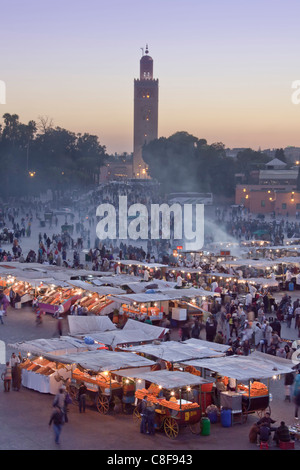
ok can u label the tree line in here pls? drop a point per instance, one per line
(38, 156)
(183, 162)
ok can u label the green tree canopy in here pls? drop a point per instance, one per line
(58, 158)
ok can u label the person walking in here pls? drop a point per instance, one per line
(60, 402)
(57, 420)
(82, 397)
(288, 382)
(297, 394)
(15, 372)
(6, 376)
(58, 327)
(4, 304)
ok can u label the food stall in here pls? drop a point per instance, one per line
(175, 356)
(137, 267)
(178, 396)
(97, 369)
(41, 373)
(171, 353)
(155, 302)
(133, 332)
(251, 376)
(142, 305)
(96, 300)
(55, 295)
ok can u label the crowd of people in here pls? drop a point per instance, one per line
(241, 225)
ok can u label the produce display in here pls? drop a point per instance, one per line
(102, 380)
(20, 288)
(256, 389)
(40, 366)
(55, 296)
(174, 404)
(151, 311)
(192, 370)
(93, 303)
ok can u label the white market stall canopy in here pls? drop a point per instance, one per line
(262, 263)
(115, 280)
(104, 360)
(201, 344)
(165, 295)
(221, 275)
(265, 282)
(185, 270)
(132, 262)
(55, 346)
(134, 325)
(255, 366)
(83, 325)
(251, 263)
(101, 290)
(156, 284)
(174, 351)
(279, 248)
(133, 332)
(288, 260)
(38, 282)
(169, 379)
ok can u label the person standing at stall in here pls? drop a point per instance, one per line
(142, 410)
(16, 372)
(82, 397)
(150, 412)
(6, 376)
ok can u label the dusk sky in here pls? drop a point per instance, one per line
(225, 68)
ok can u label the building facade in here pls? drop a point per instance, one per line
(145, 127)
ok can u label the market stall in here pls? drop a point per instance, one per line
(96, 300)
(133, 332)
(179, 397)
(174, 355)
(155, 302)
(23, 290)
(248, 391)
(49, 302)
(97, 370)
(42, 374)
(79, 326)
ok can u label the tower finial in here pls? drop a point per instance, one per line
(146, 51)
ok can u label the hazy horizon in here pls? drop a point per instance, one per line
(225, 69)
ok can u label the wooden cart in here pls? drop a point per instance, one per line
(170, 421)
(171, 417)
(255, 404)
(100, 392)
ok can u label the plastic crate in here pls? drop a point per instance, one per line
(287, 445)
(264, 445)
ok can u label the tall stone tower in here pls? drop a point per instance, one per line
(145, 113)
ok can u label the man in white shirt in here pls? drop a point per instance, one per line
(214, 285)
(179, 281)
(59, 311)
(248, 299)
(14, 360)
(288, 276)
(298, 281)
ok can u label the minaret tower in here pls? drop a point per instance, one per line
(145, 113)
